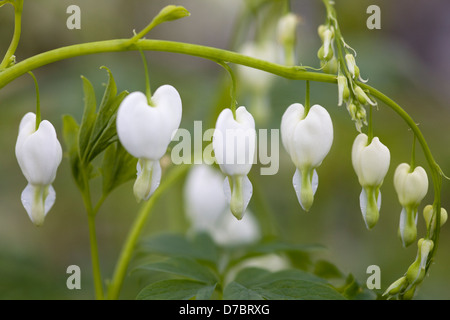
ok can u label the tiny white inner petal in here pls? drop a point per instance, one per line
(155, 177)
(402, 223)
(363, 203)
(28, 197)
(247, 190)
(297, 182)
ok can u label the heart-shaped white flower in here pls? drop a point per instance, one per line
(145, 132)
(307, 139)
(39, 154)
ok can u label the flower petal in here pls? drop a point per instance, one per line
(37, 201)
(238, 194)
(148, 178)
(299, 189)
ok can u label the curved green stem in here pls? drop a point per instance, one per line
(135, 231)
(18, 8)
(214, 54)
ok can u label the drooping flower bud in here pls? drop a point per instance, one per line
(416, 271)
(307, 138)
(343, 90)
(351, 65)
(286, 29)
(362, 97)
(145, 132)
(411, 188)
(430, 218)
(371, 163)
(326, 52)
(39, 154)
(396, 287)
(234, 144)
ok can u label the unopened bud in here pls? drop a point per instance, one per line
(325, 53)
(351, 65)
(396, 287)
(430, 217)
(343, 91)
(286, 29)
(362, 97)
(416, 271)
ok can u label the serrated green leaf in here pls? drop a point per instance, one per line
(176, 289)
(285, 284)
(237, 291)
(89, 117)
(200, 246)
(104, 132)
(184, 267)
(118, 167)
(298, 290)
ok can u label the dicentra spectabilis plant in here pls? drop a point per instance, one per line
(219, 216)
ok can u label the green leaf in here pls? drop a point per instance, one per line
(281, 285)
(118, 167)
(89, 117)
(200, 246)
(105, 132)
(70, 136)
(325, 269)
(184, 267)
(104, 129)
(237, 291)
(298, 252)
(176, 289)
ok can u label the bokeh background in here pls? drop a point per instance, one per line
(407, 60)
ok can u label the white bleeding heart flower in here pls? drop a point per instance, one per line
(39, 154)
(207, 209)
(146, 130)
(234, 144)
(307, 139)
(371, 163)
(411, 187)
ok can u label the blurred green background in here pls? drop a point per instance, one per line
(407, 60)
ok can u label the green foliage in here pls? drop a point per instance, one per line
(97, 134)
(195, 267)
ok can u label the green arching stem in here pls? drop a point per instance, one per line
(233, 86)
(148, 91)
(38, 100)
(130, 243)
(210, 53)
(18, 8)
